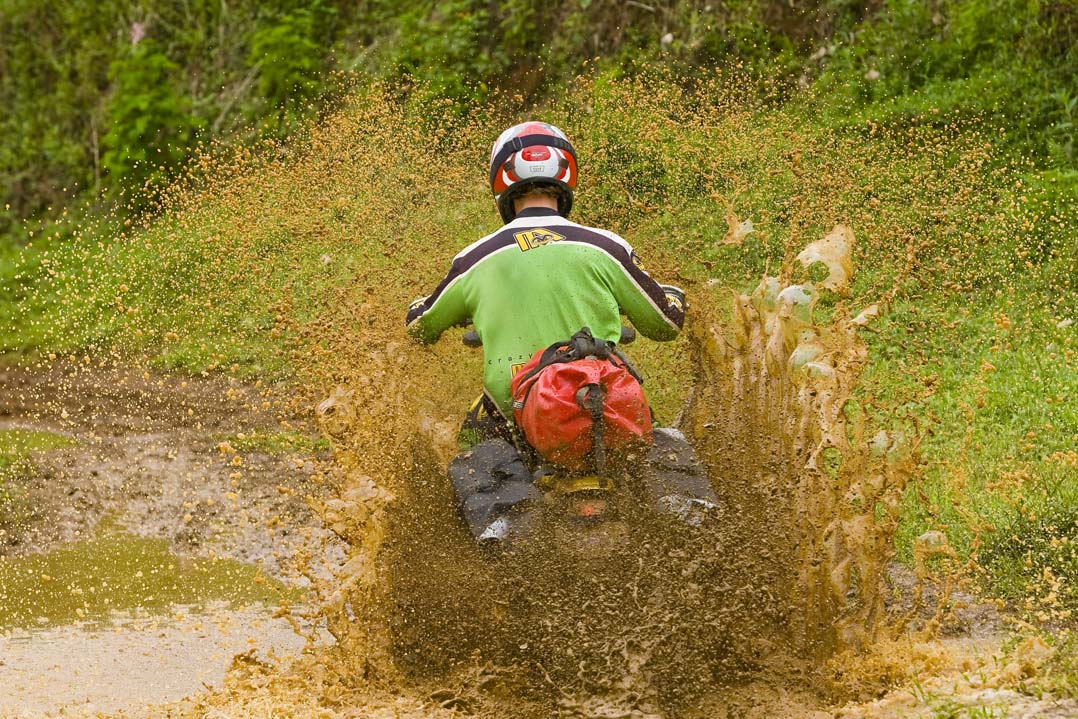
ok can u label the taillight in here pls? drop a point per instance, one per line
(589, 508)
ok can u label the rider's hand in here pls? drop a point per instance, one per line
(675, 296)
(415, 309)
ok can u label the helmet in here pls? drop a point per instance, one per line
(531, 153)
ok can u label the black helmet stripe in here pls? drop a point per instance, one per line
(517, 144)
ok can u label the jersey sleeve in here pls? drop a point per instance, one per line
(642, 299)
(429, 317)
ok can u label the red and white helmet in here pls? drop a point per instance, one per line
(532, 153)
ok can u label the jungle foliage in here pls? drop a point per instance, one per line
(101, 96)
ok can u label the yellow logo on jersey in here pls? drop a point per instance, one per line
(530, 239)
(516, 368)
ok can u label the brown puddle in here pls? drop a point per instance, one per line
(90, 580)
(120, 622)
(133, 661)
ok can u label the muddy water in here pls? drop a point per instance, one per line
(793, 455)
(117, 572)
(127, 662)
(144, 556)
(120, 622)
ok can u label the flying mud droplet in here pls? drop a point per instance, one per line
(813, 493)
(737, 230)
(835, 251)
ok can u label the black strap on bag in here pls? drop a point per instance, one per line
(590, 397)
(580, 346)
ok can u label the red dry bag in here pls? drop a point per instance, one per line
(551, 401)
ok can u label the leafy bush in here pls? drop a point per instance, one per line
(150, 122)
(288, 58)
(1009, 62)
(88, 109)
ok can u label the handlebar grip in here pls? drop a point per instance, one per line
(471, 338)
(628, 335)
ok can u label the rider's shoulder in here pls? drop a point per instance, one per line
(613, 236)
(478, 243)
(582, 232)
(610, 242)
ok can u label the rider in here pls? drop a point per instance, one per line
(538, 280)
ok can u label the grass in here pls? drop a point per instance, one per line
(300, 263)
(1002, 421)
(22, 442)
(17, 448)
(1060, 675)
(115, 572)
(276, 443)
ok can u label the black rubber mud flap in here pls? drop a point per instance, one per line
(675, 479)
(491, 481)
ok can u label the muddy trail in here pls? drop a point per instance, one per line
(789, 603)
(154, 455)
(680, 622)
(147, 550)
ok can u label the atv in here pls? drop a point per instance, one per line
(588, 508)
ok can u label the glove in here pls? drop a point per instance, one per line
(675, 296)
(415, 309)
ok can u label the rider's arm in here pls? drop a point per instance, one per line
(655, 310)
(429, 317)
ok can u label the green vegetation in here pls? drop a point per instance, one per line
(17, 447)
(942, 133)
(17, 443)
(277, 443)
(117, 572)
(1061, 671)
(109, 95)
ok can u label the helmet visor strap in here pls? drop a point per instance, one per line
(519, 143)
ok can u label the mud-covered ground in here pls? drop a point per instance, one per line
(155, 457)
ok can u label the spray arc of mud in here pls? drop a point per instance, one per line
(774, 416)
(803, 483)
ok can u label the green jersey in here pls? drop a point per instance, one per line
(536, 281)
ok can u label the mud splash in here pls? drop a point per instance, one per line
(307, 254)
(790, 450)
(679, 615)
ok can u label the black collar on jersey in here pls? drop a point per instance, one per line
(536, 212)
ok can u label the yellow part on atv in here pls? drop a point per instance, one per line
(562, 484)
